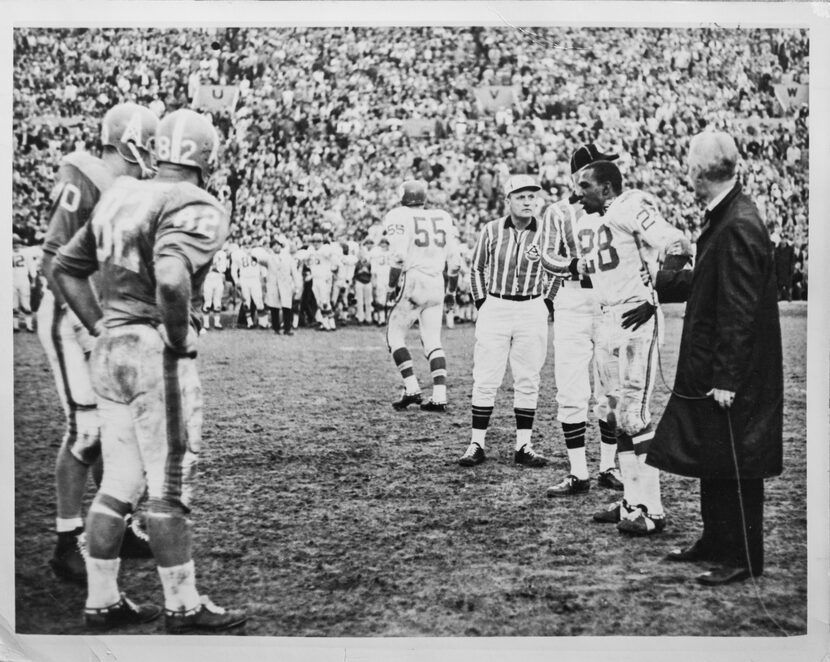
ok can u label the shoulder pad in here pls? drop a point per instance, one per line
(91, 167)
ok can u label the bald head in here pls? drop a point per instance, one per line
(713, 158)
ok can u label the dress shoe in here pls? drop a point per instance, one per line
(724, 575)
(691, 554)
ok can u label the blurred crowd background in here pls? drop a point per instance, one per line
(327, 122)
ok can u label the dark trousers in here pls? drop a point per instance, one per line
(727, 535)
(287, 319)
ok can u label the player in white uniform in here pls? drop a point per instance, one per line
(249, 278)
(621, 232)
(576, 322)
(213, 290)
(421, 242)
(379, 259)
(323, 261)
(344, 281)
(24, 272)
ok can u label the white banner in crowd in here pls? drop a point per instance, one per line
(792, 95)
(216, 97)
(493, 97)
(419, 128)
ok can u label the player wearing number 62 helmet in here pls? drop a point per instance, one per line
(126, 133)
(154, 243)
(421, 242)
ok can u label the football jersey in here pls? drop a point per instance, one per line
(609, 246)
(24, 266)
(566, 219)
(220, 262)
(422, 240)
(82, 178)
(135, 224)
(380, 261)
(323, 260)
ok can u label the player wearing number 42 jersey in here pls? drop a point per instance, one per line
(154, 243)
(126, 132)
(621, 232)
(421, 242)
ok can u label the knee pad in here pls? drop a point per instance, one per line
(110, 505)
(83, 434)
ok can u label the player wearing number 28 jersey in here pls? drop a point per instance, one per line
(421, 242)
(126, 132)
(154, 244)
(622, 232)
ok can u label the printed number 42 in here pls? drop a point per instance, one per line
(423, 234)
(607, 257)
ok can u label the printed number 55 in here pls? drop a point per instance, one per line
(422, 232)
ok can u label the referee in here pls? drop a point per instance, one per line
(507, 285)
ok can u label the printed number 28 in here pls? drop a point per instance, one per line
(607, 256)
(423, 234)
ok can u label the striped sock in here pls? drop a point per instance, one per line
(403, 361)
(481, 417)
(575, 443)
(607, 446)
(438, 369)
(524, 426)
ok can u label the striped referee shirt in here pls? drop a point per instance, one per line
(507, 261)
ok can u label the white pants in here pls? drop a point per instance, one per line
(363, 296)
(514, 330)
(422, 298)
(67, 345)
(213, 290)
(252, 292)
(575, 327)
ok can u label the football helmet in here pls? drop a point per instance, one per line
(187, 138)
(129, 129)
(413, 193)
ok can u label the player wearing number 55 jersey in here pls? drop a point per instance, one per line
(126, 132)
(421, 242)
(621, 232)
(154, 243)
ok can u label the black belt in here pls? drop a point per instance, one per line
(515, 297)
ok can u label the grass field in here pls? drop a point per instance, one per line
(327, 513)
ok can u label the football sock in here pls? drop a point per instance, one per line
(524, 426)
(206, 321)
(102, 582)
(179, 584)
(481, 421)
(650, 487)
(630, 477)
(575, 443)
(607, 445)
(403, 361)
(67, 525)
(217, 321)
(438, 369)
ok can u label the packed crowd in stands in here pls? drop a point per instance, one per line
(321, 134)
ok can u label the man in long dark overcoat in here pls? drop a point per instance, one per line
(723, 422)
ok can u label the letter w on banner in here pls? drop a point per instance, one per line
(216, 98)
(792, 95)
(493, 97)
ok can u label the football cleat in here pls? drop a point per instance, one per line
(639, 523)
(610, 478)
(430, 405)
(569, 486)
(406, 400)
(69, 559)
(207, 617)
(528, 457)
(123, 612)
(474, 455)
(613, 513)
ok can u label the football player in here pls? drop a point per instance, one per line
(154, 244)
(622, 231)
(126, 132)
(379, 261)
(323, 262)
(214, 289)
(363, 283)
(421, 242)
(249, 279)
(576, 322)
(24, 272)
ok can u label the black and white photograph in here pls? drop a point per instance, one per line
(393, 330)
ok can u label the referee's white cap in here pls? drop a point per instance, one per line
(520, 183)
